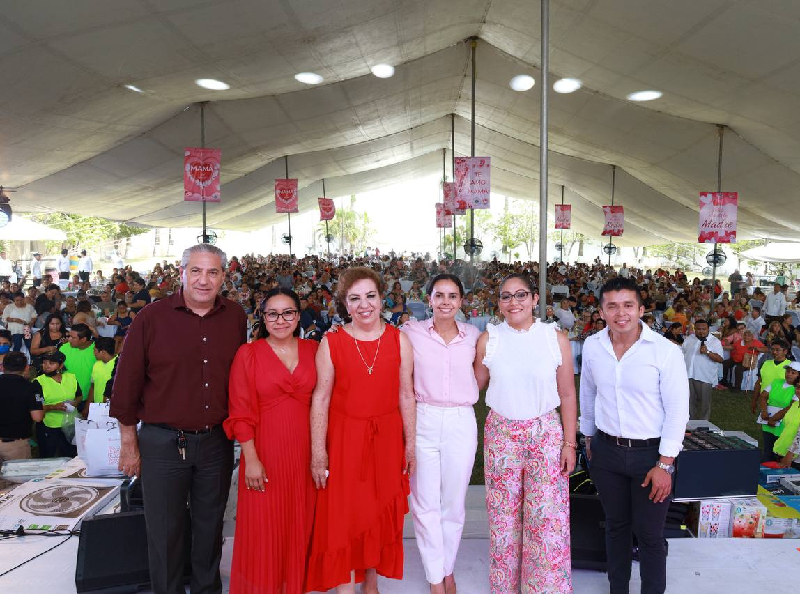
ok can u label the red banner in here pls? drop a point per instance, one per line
(472, 179)
(615, 220)
(286, 196)
(452, 206)
(442, 218)
(327, 209)
(563, 216)
(201, 174)
(718, 213)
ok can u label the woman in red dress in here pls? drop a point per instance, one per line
(270, 394)
(362, 432)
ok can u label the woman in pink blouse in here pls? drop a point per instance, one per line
(447, 434)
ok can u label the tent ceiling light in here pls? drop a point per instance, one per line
(567, 85)
(133, 88)
(212, 84)
(309, 78)
(521, 83)
(383, 71)
(644, 96)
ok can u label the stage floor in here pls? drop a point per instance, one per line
(694, 566)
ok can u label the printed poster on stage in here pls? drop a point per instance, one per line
(563, 216)
(472, 179)
(286, 196)
(452, 205)
(327, 209)
(615, 220)
(201, 174)
(718, 214)
(442, 219)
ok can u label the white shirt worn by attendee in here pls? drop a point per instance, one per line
(755, 325)
(36, 269)
(699, 366)
(6, 268)
(643, 395)
(63, 264)
(26, 313)
(85, 264)
(522, 367)
(775, 304)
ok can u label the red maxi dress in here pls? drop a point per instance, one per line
(273, 527)
(358, 521)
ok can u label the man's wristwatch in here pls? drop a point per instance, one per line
(670, 469)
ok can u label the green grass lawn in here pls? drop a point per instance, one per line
(730, 411)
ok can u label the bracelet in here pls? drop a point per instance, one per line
(572, 445)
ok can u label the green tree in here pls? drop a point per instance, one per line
(350, 229)
(83, 231)
(739, 248)
(482, 228)
(569, 237)
(517, 227)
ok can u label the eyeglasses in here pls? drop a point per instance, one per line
(519, 296)
(288, 316)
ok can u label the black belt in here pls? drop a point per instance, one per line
(629, 443)
(9, 440)
(203, 431)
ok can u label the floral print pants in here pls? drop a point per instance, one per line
(527, 499)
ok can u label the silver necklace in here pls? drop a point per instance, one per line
(378, 349)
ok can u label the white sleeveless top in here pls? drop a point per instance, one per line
(522, 365)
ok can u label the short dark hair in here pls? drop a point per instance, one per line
(83, 331)
(700, 321)
(758, 308)
(53, 286)
(5, 334)
(618, 284)
(14, 362)
(444, 277)
(105, 343)
(780, 342)
(16, 295)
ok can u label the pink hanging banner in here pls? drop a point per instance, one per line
(442, 218)
(452, 206)
(201, 174)
(563, 216)
(472, 179)
(286, 196)
(615, 220)
(327, 209)
(718, 213)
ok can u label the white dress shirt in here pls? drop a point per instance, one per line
(63, 264)
(36, 269)
(6, 268)
(775, 304)
(643, 395)
(85, 264)
(755, 325)
(699, 366)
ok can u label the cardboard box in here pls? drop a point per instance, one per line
(767, 475)
(783, 520)
(715, 519)
(749, 515)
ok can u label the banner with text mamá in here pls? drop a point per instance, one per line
(286, 196)
(563, 216)
(615, 220)
(201, 174)
(472, 179)
(327, 209)
(718, 212)
(442, 218)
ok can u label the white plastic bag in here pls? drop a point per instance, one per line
(102, 447)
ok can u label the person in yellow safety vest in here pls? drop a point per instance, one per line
(102, 371)
(61, 396)
(771, 369)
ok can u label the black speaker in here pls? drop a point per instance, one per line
(587, 528)
(112, 554)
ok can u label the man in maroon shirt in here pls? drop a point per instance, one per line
(173, 377)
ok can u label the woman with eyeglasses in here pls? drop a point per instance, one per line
(270, 389)
(529, 450)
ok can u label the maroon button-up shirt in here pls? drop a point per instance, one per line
(175, 364)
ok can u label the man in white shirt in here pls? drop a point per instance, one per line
(6, 268)
(702, 353)
(85, 266)
(62, 265)
(36, 269)
(634, 408)
(775, 304)
(755, 322)
(624, 271)
(566, 319)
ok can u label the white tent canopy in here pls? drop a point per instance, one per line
(21, 229)
(776, 252)
(74, 139)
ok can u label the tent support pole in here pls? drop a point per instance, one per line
(203, 145)
(543, 168)
(720, 135)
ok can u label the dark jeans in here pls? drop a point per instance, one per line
(17, 340)
(53, 443)
(168, 483)
(84, 275)
(618, 472)
(769, 440)
(738, 373)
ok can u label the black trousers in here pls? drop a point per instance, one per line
(63, 274)
(84, 275)
(53, 443)
(767, 449)
(618, 472)
(168, 483)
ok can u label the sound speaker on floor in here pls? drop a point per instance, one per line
(112, 554)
